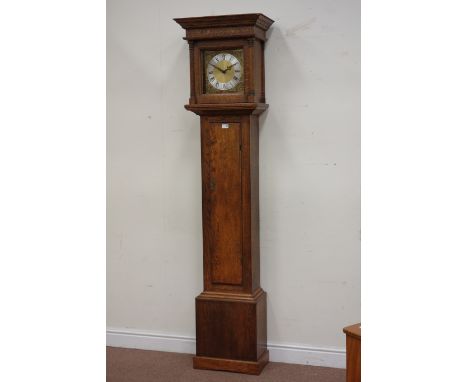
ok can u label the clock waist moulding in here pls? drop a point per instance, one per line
(227, 90)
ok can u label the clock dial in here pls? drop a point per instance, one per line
(223, 71)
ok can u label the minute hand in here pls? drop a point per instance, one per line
(229, 67)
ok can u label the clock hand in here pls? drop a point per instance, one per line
(214, 66)
(230, 66)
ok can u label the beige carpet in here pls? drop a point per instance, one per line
(131, 365)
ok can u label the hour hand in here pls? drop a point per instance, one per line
(214, 66)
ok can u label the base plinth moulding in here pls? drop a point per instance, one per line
(232, 365)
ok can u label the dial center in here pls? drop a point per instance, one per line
(226, 73)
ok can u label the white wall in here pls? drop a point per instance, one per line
(309, 169)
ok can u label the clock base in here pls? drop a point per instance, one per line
(232, 365)
(231, 332)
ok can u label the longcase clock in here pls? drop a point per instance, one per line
(227, 90)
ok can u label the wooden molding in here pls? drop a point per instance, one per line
(223, 296)
(232, 365)
(249, 19)
(353, 331)
(228, 108)
(251, 25)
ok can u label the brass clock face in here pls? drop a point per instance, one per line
(224, 71)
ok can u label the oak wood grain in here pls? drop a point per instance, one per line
(231, 327)
(222, 215)
(231, 324)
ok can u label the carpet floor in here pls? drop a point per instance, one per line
(131, 365)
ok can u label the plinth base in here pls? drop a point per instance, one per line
(233, 365)
(231, 332)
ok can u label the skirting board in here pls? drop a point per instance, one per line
(315, 356)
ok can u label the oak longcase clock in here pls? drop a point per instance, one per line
(227, 90)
